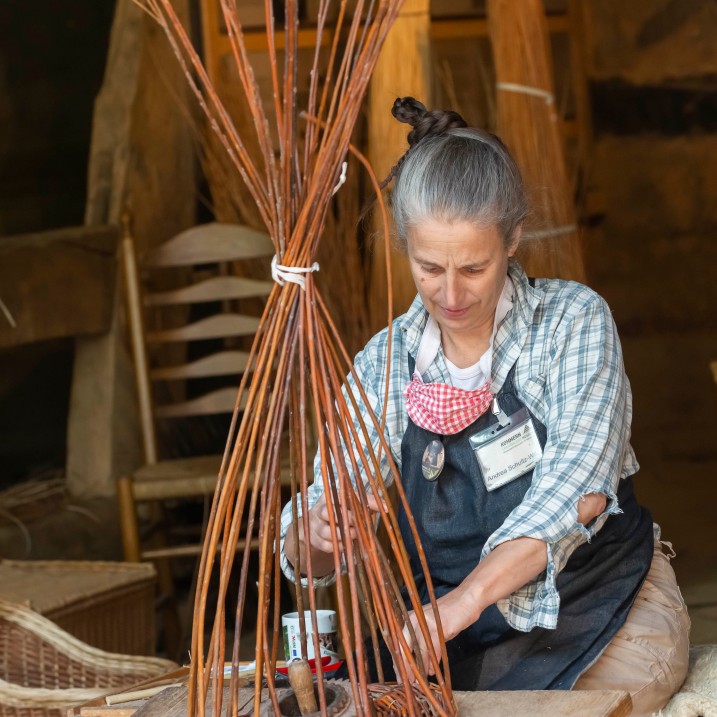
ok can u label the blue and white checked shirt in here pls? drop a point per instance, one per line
(570, 375)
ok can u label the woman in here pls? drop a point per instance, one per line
(509, 419)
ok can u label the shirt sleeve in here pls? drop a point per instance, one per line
(371, 381)
(588, 414)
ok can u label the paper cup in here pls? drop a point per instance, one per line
(326, 622)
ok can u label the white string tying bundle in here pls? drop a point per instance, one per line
(527, 90)
(342, 178)
(293, 274)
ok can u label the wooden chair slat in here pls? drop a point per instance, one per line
(216, 289)
(184, 551)
(214, 327)
(224, 363)
(210, 243)
(222, 400)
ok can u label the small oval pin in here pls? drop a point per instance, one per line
(433, 459)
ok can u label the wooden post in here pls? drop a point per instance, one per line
(141, 157)
(403, 68)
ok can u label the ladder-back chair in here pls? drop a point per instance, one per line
(203, 258)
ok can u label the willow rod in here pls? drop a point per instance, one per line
(298, 360)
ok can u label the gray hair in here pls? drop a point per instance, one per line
(464, 174)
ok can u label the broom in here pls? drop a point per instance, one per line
(529, 124)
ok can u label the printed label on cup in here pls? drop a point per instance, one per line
(328, 643)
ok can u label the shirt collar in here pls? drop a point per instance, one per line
(513, 332)
(412, 324)
(527, 297)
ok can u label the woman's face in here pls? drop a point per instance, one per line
(459, 270)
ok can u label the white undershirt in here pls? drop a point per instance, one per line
(476, 375)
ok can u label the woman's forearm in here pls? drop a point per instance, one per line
(506, 568)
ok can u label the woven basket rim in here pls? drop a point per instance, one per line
(12, 695)
(76, 649)
(135, 667)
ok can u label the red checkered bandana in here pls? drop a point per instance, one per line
(444, 409)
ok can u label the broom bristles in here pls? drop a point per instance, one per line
(529, 124)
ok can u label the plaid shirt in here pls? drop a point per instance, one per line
(569, 373)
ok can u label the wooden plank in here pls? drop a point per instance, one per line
(556, 703)
(175, 705)
(126, 709)
(441, 29)
(548, 703)
(99, 708)
(166, 703)
(462, 28)
(452, 29)
(255, 41)
(57, 284)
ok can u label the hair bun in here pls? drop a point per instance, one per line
(408, 110)
(424, 122)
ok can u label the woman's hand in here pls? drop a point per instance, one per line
(506, 568)
(320, 544)
(457, 612)
(320, 526)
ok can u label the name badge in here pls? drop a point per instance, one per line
(507, 452)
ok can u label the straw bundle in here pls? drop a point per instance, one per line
(530, 126)
(297, 366)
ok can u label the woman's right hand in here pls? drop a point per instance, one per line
(320, 545)
(320, 527)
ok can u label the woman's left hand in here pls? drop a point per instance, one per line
(456, 614)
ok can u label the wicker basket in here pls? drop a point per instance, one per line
(44, 670)
(107, 605)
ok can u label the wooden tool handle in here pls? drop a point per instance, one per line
(302, 682)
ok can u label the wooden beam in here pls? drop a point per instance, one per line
(455, 28)
(448, 29)
(57, 284)
(403, 68)
(256, 40)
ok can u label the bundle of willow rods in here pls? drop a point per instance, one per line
(529, 124)
(297, 364)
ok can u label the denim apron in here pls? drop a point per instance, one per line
(455, 515)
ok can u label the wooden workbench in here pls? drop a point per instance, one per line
(172, 703)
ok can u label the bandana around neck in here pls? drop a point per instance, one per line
(444, 409)
(439, 407)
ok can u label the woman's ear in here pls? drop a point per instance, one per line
(517, 234)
